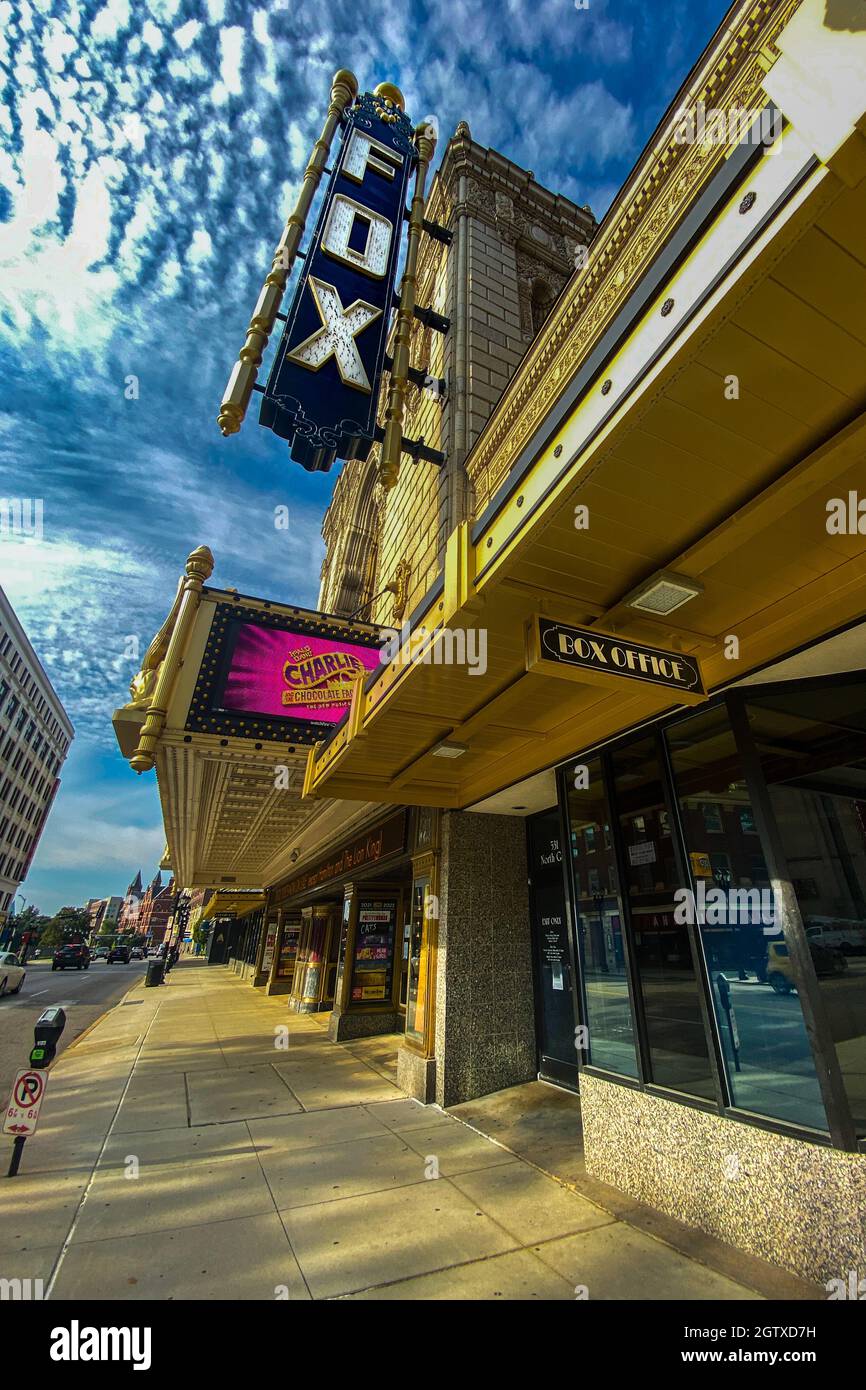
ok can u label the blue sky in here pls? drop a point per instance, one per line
(149, 153)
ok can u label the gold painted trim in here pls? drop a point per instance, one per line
(236, 398)
(630, 238)
(199, 567)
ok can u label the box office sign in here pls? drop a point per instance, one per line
(585, 655)
(367, 850)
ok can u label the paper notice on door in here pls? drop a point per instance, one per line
(557, 981)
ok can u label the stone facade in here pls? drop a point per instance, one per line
(513, 250)
(485, 1016)
(801, 1206)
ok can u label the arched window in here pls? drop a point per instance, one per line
(541, 303)
(354, 576)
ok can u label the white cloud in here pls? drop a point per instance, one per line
(187, 34)
(109, 22)
(83, 834)
(36, 572)
(152, 36)
(232, 51)
(201, 248)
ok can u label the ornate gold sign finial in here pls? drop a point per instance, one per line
(235, 402)
(391, 95)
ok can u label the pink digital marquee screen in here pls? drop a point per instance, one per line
(291, 675)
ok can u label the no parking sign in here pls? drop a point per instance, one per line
(22, 1111)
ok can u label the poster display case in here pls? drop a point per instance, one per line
(288, 951)
(373, 960)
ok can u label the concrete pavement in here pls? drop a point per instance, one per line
(201, 1142)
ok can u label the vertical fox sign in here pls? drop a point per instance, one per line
(323, 390)
(325, 384)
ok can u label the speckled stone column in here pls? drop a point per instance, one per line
(798, 1205)
(485, 1027)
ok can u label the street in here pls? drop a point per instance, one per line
(84, 994)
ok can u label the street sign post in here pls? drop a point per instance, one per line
(22, 1111)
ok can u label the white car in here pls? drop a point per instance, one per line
(11, 973)
(846, 935)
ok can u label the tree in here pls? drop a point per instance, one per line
(29, 923)
(69, 924)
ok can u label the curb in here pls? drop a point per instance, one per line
(95, 1024)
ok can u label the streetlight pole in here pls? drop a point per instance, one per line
(8, 933)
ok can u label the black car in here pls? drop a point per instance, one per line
(73, 955)
(120, 953)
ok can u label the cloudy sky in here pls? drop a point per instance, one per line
(149, 153)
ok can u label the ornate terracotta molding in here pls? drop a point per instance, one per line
(654, 201)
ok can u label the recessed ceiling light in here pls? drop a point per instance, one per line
(450, 750)
(664, 593)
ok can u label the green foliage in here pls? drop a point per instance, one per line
(68, 924)
(52, 935)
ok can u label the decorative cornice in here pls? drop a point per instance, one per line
(655, 198)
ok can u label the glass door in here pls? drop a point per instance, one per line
(555, 1020)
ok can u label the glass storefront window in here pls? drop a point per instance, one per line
(812, 745)
(599, 925)
(769, 1061)
(679, 1055)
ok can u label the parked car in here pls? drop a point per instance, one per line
(845, 935)
(72, 955)
(12, 973)
(827, 960)
(120, 953)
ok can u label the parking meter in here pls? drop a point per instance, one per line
(46, 1034)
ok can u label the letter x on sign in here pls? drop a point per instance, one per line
(336, 337)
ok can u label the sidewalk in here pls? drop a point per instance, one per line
(186, 1152)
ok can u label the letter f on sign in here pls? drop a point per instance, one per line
(336, 337)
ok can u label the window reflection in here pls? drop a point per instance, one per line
(599, 923)
(666, 974)
(769, 1060)
(813, 752)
